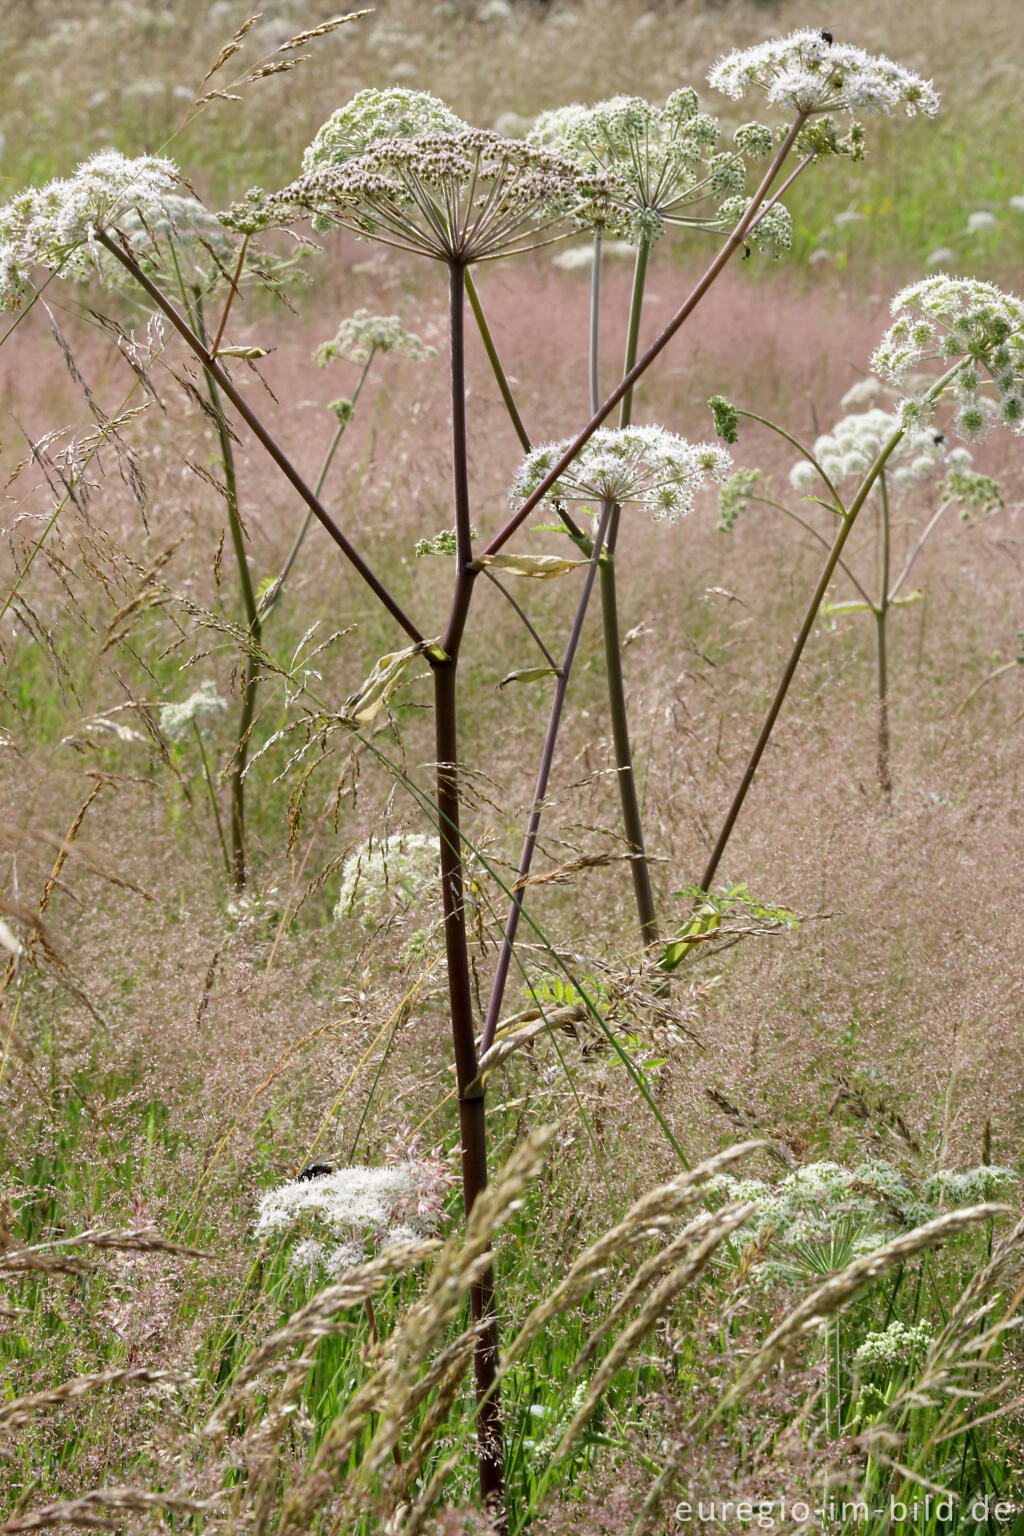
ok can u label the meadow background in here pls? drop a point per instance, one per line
(193, 1047)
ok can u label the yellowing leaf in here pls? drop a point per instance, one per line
(701, 927)
(370, 699)
(248, 354)
(542, 567)
(529, 675)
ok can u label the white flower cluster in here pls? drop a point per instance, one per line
(808, 73)
(349, 1209)
(454, 196)
(374, 115)
(849, 450)
(646, 465)
(387, 872)
(805, 1205)
(772, 230)
(972, 1187)
(941, 320)
(52, 226)
(666, 158)
(899, 1344)
(864, 1205)
(363, 334)
(175, 719)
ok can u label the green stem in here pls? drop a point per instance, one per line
(632, 819)
(636, 304)
(495, 362)
(881, 616)
(501, 378)
(788, 437)
(236, 767)
(595, 315)
(778, 506)
(213, 799)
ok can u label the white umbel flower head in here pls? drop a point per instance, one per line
(345, 1211)
(667, 158)
(374, 115)
(52, 226)
(646, 465)
(175, 719)
(388, 872)
(201, 242)
(455, 197)
(851, 447)
(807, 73)
(942, 320)
(363, 334)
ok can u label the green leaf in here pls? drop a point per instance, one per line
(701, 927)
(854, 606)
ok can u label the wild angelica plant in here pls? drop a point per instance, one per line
(403, 173)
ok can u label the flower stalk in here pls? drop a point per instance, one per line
(632, 819)
(849, 517)
(472, 1124)
(500, 981)
(239, 757)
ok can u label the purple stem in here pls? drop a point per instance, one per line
(543, 775)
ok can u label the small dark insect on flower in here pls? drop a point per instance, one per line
(315, 1171)
(826, 36)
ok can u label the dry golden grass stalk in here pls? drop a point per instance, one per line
(90, 1508)
(331, 25)
(652, 1213)
(20, 1409)
(52, 1257)
(230, 48)
(268, 1433)
(417, 1516)
(319, 1317)
(981, 1283)
(444, 1376)
(648, 1274)
(960, 1354)
(514, 1033)
(16, 839)
(448, 1283)
(657, 1304)
(837, 1291)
